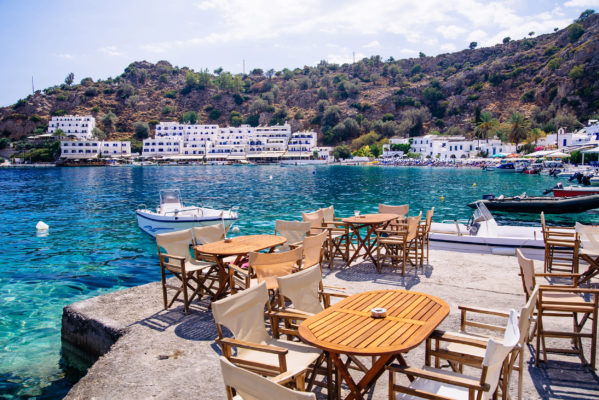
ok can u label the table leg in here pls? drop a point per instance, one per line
(223, 278)
(358, 390)
(361, 242)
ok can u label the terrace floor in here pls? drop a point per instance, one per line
(166, 354)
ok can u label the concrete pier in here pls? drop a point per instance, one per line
(148, 352)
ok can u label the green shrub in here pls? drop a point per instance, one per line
(253, 120)
(388, 117)
(35, 118)
(214, 114)
(416, 69)
(472, 97)
(528, 96)
(166, 110)
(551, 50)
(575, 31)
(59, 113)
(142, 130)
(576, 72)
(91, 92)
(554, 63)
(171, 94)
(61, 97)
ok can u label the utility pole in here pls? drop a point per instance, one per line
(354, 56)
(244, 66)
(32, 87)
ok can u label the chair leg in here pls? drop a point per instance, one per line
(164, 287)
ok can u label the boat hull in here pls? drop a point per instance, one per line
(548, 205)
(153, 225)
(574, 191)
(530, 248)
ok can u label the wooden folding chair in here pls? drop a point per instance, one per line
(561, 248)
(589, 236)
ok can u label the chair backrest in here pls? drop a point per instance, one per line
(251, 386)
(496, 354)
(208, 234)
(293, 231)
(429, 219)
(315, 218)
(175, 243)
(589, 237)
(402, 210)
(313, 249)
(543, 226)
(413, 223)
(328, 213)
(302, 288)
(527, 272)
(526, 314)
(243, 314)
(268, 266)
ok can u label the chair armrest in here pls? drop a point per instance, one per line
(567, 289)
(293, 246)
(455, 338)
(288, 313)
(486, 311)
(334, 294)
(267, 348)
(235, 268)
(163, 256)
(460, 380)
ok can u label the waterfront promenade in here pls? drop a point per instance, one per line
(165, 354)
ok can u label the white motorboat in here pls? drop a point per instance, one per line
(482, 234)
(172, 215)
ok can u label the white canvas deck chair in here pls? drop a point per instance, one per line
(196, 276)
(245, 385)
(293, 231)
(257, 351)
(589, 236)
(433, 383)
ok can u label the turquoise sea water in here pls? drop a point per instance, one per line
(94, 245)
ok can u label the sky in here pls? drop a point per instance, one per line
(48, 39)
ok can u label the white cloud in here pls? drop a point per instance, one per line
(207, 5)
(448, 47)
(66, 56)
(451, 31)
(374, 43)
(110, 51)
(581, 3)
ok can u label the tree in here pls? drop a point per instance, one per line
(190, 117)
(486, 124)
(421, 55)
(99, 133)
(535, 134)
(555, 29)
(518, 128)
(342, 152)
(473, 45)
(69, 79)
(531, 33)
(575, 31)
(506, 40)
(142, 130)
(584, 15)
(270, 73)
(108, 121)
(257, 71)
(218, 71)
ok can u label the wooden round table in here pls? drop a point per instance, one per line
(237, 246)
(371, 222)
(347, 327)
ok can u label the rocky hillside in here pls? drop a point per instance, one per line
(551, 79)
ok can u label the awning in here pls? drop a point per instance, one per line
(266, 155)
(593, 150)
(236, 157)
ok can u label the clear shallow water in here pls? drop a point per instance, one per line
(94, 245)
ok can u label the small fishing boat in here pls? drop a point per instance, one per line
(482, 234)
(172, 215)
(506, 167)
(538, 204)
(570, 191)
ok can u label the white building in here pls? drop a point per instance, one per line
(452, 147)
(73, 125)
(301, 145)
(387, 147)
(87, 149)
(215, 143)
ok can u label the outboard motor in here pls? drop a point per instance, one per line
(559, 185)
(586, 180)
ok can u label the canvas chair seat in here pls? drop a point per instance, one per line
(441, 389)
(299, 355)
(193, 266)
(567, 297)
(293, 231)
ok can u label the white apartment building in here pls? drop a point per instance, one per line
(73, 125)
(451, 147)
(86, 149)
(388, 153)
(216, 143)
(301, 145)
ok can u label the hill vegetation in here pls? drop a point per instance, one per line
(518, 90)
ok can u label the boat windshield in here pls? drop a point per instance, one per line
(482, 213)
(170, 196)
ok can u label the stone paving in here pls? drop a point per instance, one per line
(166, 354)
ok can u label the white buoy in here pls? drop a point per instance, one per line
(270, 177)
(42, 226)
(235, 229)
